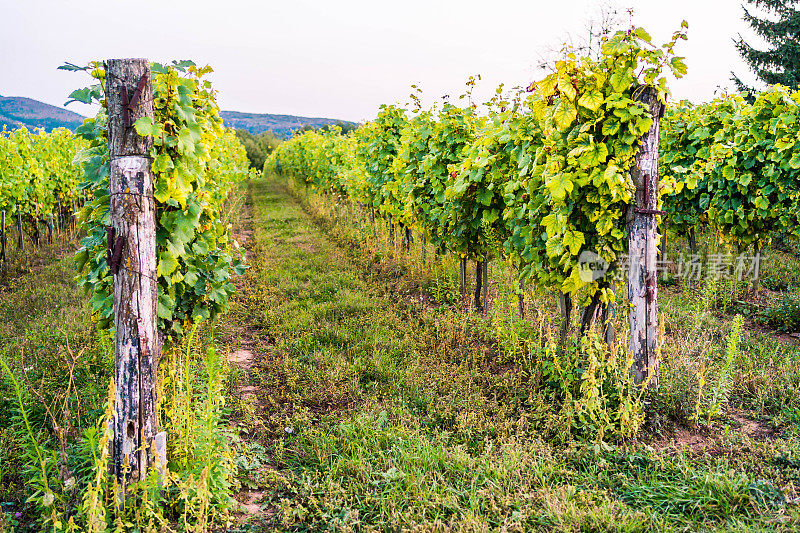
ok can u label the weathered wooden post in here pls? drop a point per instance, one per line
(565, 306)
(643, 249)
(756, 267)
(36, 233)
(131, 254)
(481, 283)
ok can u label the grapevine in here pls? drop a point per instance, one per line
(547, 174)
(196, 162)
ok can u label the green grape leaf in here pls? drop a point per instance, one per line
(574, 240)
(145, 126)
(560, 185)
(591, 100)
(564, 115)
(167, 263)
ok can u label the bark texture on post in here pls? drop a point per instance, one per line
(486, 282)
(127, 74)
(692, 242)
(50, 228)
(597, 311)
(132, 258)
(643, 250)
(36, 234)
(607, 316)
(590, 314)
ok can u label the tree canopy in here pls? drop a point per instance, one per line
(779, 26)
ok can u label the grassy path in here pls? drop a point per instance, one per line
(367, 397)
(368, 412)
(359, 408)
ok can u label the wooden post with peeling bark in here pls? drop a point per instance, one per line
(643, 250)
(131, 255)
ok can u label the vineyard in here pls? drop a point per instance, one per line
(39, 183)
(573, 307)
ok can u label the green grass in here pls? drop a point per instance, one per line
(46, 335)
(383, 403)
(63, 365)
(382, 409)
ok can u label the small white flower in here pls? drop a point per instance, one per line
(288, 430)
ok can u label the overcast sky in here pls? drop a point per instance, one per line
(340, 59)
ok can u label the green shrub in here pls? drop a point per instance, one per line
(785, 316)
(65, 472)
(258, 147)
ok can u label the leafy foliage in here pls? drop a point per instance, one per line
(778, 64)
(687, 139)
(37, 171)
(195, 162)
(258, 147)
(545, 173)
(736, 165)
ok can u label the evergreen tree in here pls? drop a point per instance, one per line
(780, 63)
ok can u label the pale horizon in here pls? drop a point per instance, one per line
(343, 60)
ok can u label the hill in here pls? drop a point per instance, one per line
(17, 111)
(280, 125)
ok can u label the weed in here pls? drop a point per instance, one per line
(785, 316)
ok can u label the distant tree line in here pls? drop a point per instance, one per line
(779, 62)
(258, 147)
(346, 127)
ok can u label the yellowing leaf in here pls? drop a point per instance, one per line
(678, 66)
(573, 283)
(564, 115)
(574, 240)
(566, 88)
(167, 263)
(591, 100)
(560, 185)
(547, 87)
(795, 161)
